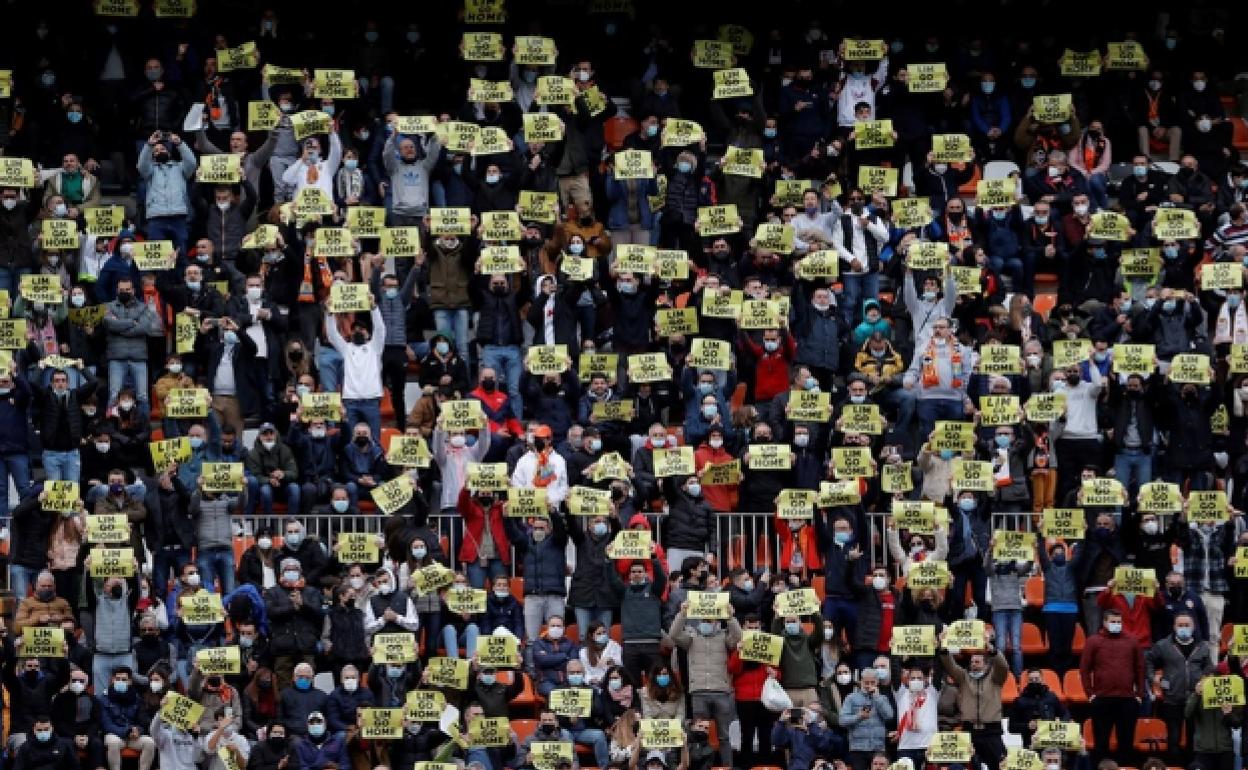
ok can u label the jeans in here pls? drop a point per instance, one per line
(394, 378)
(329, 365)
(172, 228)
(903, 401)
(15, 466)
(11, 278)
(216, 563)
(858, 288)
(455, 321)
(505, 361)
(264, 493)
(1133, 463)
(597, 740)
(385, 90)
(1011, 267)
(21, 579)
(468, 639)
(478, 575)
(117, 371)
(62, 466)
(539, 609)
(1009, 627)
(164, 562)
(1098, 188)
(587, 615)
(366, 410)
(723, 709)
(930, 410)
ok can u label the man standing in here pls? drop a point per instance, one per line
(166, 203)
(61, 423)
(1112, 671)
(129, 323)
(393, 301)
(361, 359)
(979, 700)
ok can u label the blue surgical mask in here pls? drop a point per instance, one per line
(1042, 219)
(663, 680)
(1002, 441)
(394, 672)
(705, 388)
(341, 506)
(652, 129)
(1233, 300)
(1027, 82)
(709, 411)
(706, 628)
(351, 164)
(1140, 171)
(1183, 634)
(684, 166)
(792, 629)
(946, 454)
(770, 133)
(197, 442)
(392, 293)
(488, 679)
(1169, 305)
(1098, 253)
(988, 86)
(1170, 252)
(492, 178)
(966, 504)
(442, 348)
(328, 109)
(600, 528)
(121, 687)
(576, 248)
(576, 680)
(842, 538)
(74, 117)
(316, 730)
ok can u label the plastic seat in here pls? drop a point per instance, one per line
(1053, 682)
(1000, 169)
(1150, 735)
(523, 728)
(1033, 591)
(1009, 691)
(972, 186)
(819, 584)
(1072, 685)
(1076, 644)
(388, 434)
(387, 406)
(517, 588)
(1033, 643)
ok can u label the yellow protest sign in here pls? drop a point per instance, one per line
(1141, 264)
(1127, 55)
(954, 435)
(1208, 507)
(791, 191)
(533, 50)
(449, 673)
(108, 528)
(16, 172)
(774, 236)
(335, 242)
(1064, 523)
(170, 450)
(415, 124)
(309, 123)
(366, 221)
(396, 648)
(1071, 352)
(187, 403)
(914, 641)
(549, 755)
(393, 494)
(538, 207)
(180, 711)
(671, 264)
(462, 415)
(572, 702)
(219, 660)
(661, 733)
(201, 608)
(607, 411)
(399, 242)
(41, 288)
(1134, 359)
(577, 268)
(722, 303)
(761, 647)
(1221, 275)
(466, 600)
(552, 90)
(673, 462)
(542, 127)
(155, 255)
(825, 263)
(224, 168)
(911, 212)
(104, 221)
(243, 57)
(334, 84)
(1237, 358)
(680, 133)
(719, 474)
(1057, 735)
(718, 220)
(634, 258)
(587, 501)
(630, 544)
(595, 100)
(487, 732)
(13, 335)
(43, 642)
(1079, 64)
(1190, 367)
(1045, 407)
(58, 234)
(321, 406)
(381, 724)
(1175, 224)
(63, 496)
(928, 255)
(995, 193)
(760, 314)
(1109, 226)
(796, 504)
(856, 418)
(112, 562)
(1130, 580)
(965, 635)
(731, 84)
(1160, 497)
(929, 573)
(634, 164)
(864, 50)
(713, 54)
(972, 475)
(358, 548)
(707, 605)
(1102, 492)
(312, 203)
(263, 116)
(896, 477)
(797, 602)
(492, 140)
(547, 359)
(1051, 108)
(499, 651)
(1239, 633)
(926, 77)
(409, 452)
(1009, 545)
(458, 135)
(743, 161)
(222, 477)
(873, 134)
(1000, 359)
(706, 353)
(6, 84)
(487, 477)
(769, 457)
(1219, 691)
(1019, 758)
(263, 236)
(836, 493)
(525, 502)
(649, 367)
(481, 90)
(852, 462)
(283, 76)
(999, 410)
(350, 298)
(878, 179)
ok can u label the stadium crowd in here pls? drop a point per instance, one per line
(544, 387)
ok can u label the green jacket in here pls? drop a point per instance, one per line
(1213, 728)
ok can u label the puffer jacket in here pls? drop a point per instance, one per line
(129, 325)
(212, 520)
(708, 655)
(865, 734)
(683, 196)
(979, 700)
(158, 109)
(690, 523)
(167, 182)
(591, 586)
(450, 273)
(544, 563)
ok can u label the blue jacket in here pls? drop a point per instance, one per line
(367, 462)
(550, 659)
(697, 426)
(617, 194)
(118, 713)
(504, 612)
(545, 564)
(167, 182)
(990, 112)
(341, 706)
(258, 611)
(113, 271)
(804, 747)
(317, 457)
(14, 417)
(819, 335)
(312, 756)
(865, 734)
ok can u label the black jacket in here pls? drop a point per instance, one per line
(590, 586)
(52, 410)
(496, 309)
(32, 527)
(57, 754)
(294, 630)
(690, 522)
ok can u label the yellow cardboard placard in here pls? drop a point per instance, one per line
(43, 642)
(929, 573)
(108, 528)
(549, 755)
(358, 548)
(526, 501)
(796, 504)
(409, 452)
(1058, 735)
(487, 477)
(873, 179)
(680, 133)
(394, 494)
(770, 457)
(350, 297)
(463, 414)
(1010, 545)
(104, 221)
(774, 236)
(547, 359)
(309, 123)
(170, 450)
(1064, 523)
(499, 651)
(797, 602)
(873, 134)
(761, 647)
(911, 212)
(926, 77)
(999, 410)
(995, 193)
(396, 647)
(465, 600)
(487, 732)
(718, 220)
(1207, 507)
(201, 608)
(1219, 691)
(852, 462)
(224, 168)
(1051, 108)
(897, 477)
(542, 127)
(972, 475)
(112, 562)
(707, 605)
(381, 724)
(1045, 407)
(187, 403)
(335, 242)
(219, 660)
(1078, 64)
(552, 90)
(1109, 226)
(1127, 55)
(16, 172)
(824, 263)
(630, 544)
(534, 50)
(572, 702)
(1160, 497)
(713, 54)
(180, 711)
(965, 635)
(1102, 492)
(673, 462)
(222, 477)
(721, 474)
(58, 234)
(649, 367)
(1190, 367)
(914, 641)
(399, 242)
(321, 406)
(587, 501)
(731, 84)
(1130, 580)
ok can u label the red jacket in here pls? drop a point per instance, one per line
(808, 540)
(1137, 618)
(1112, 666)
(771, 370)
(721, 497)
(748, 677)
(474, 528)
(498, 411)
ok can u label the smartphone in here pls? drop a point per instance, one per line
(797, 717)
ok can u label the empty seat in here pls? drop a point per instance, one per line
(1033, 644)
(1072, 686)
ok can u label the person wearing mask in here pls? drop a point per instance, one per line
(77, 712)
(119, 712)
(1112, 673)
(1080, 442)
(271, 472)
(875, 618)
(548, 730)
(343, 704)
(393, 301)
(916, 715)
(858, 237)
(62, 427)
(361, 387)
(40, 748)
(409, 163)
(708, 647)
(1212, 729)
(272, 753)
(691, 522)
(939, 375)
(1206, 546)
(864, 715)
(543, 467)
(1180, 601)
(166, 198)
(1035, 702)
(296, 612)
(318, 747)
(979, 698)
(389, 610)
(641, 612)
(1061, 602)
(1172, 667)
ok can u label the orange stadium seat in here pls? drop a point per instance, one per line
(1009, 691)
(1072, 685)
(1033, 644)
(1033, 590)
(1150, 735)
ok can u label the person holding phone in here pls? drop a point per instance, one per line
(864, 715)
(806, 736)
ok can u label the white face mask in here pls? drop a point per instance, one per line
(77, 687)
(879, 583)
(555, 632)
(843, 679)
(265, 543)
(356, 582)
(1081, 209)
(350, 685)
(715, 443)
(254, 292)
(155, 685)
(192, 579)
(917, 685)
(268, 445)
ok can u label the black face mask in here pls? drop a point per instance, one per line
(296, 355)
(362, 441)
(540, 444)
(278, 742)
(125, 297)
(550, 388)
(115, 592)
(955, 216)
(359, 338)
(488, 385)
(498, 291)
(586, 221)
(1073, 379)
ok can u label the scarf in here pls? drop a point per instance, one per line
(545, 474)
(1233, 330)
(931, 375)
(1001, 468)
(911, 717)
(306, 293)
